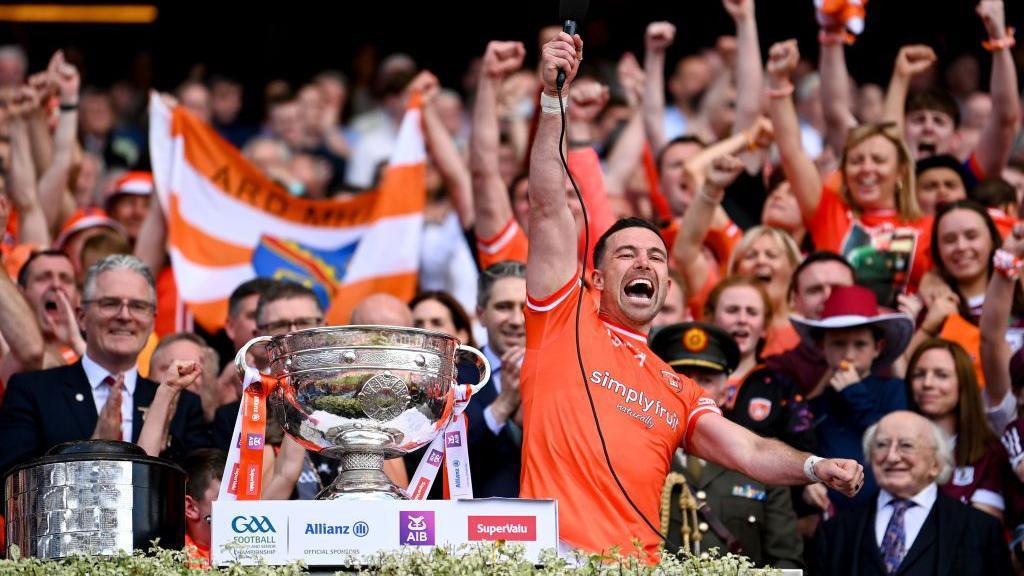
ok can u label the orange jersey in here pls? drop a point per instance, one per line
(645, 408)
(509, 244)
(721, 240)
(889, 254)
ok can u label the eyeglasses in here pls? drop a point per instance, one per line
(112, 306)
(903, 447)
(285, 326)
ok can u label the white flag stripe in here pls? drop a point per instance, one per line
(207, 282)
(409, 147)
(204, 205)
(391, 246)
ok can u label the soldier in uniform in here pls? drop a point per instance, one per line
(735, 512)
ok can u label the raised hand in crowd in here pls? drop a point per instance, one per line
(181, 375)
(492, 209)
(66, 329)
(911, 60)
(587, 99)
(503, 58)
(54, 192)
(657, 39)
(783, 58)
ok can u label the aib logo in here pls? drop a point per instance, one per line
(417, 528)
(252, 524)
(453, 439)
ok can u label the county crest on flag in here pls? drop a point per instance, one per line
(227, 222)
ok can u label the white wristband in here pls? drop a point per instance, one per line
(549, 104)
(809, 468)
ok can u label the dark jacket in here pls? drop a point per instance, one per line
(494, 460)
(42, 409)
(768, 404)
(841, 418)
(955, 540)
(759, 516)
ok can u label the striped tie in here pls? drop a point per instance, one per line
(894, 545)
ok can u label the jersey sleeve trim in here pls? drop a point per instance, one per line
(500, 240)
(552, 302)
(988, 498)
(704, 406)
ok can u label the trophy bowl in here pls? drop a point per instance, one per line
(363, 394)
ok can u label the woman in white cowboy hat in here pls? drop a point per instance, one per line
(859, 344)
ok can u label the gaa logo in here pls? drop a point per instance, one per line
(251, 524)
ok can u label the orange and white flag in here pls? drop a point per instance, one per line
(227, 222)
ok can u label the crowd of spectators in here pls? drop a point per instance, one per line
(845, 262)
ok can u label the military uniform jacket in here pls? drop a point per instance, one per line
(758, 515)
(767, 403)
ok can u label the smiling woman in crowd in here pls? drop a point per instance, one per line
(943, 388)
(872, 219)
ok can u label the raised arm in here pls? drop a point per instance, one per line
(658, 38)
(910, 61)
(799, 168)
(552, 258)
(995, 352)
(749, 71)
(53, 186)
(38, 129)
(154, 435)
(999, 132)
(625, 155)
(835, 90)
(19, 328)
(151, 245)
(697, 220)
(443, 151)
(765, 459)
(491, 206)
(32, 227)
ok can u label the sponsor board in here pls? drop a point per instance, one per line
(334, 533)
(508, 528)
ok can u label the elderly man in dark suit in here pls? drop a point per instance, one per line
(102, 395)
(910, 528)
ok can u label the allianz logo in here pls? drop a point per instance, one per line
(252, 525)
(358, 529)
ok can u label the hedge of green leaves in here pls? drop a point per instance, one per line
(498, 559)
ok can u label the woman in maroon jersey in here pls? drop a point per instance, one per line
(943, 387)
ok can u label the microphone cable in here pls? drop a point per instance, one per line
(579, 353)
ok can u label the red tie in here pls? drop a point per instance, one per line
(111, 382)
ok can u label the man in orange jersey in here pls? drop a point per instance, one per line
(645, 409)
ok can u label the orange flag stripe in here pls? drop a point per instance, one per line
(199, 247)
(210, 315)
(402, 286)
(224, 166)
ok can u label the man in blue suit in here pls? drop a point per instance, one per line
(102, 395)
(495, 439)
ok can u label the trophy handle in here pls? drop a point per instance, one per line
(240, 364)
(478, 359)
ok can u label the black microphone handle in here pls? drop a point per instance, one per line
(569, 28)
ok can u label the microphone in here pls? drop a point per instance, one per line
(570, 12)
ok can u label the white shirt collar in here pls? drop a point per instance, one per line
(925, 498)
(96, 374)
(492, 358)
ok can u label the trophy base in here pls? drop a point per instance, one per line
(362, 478)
